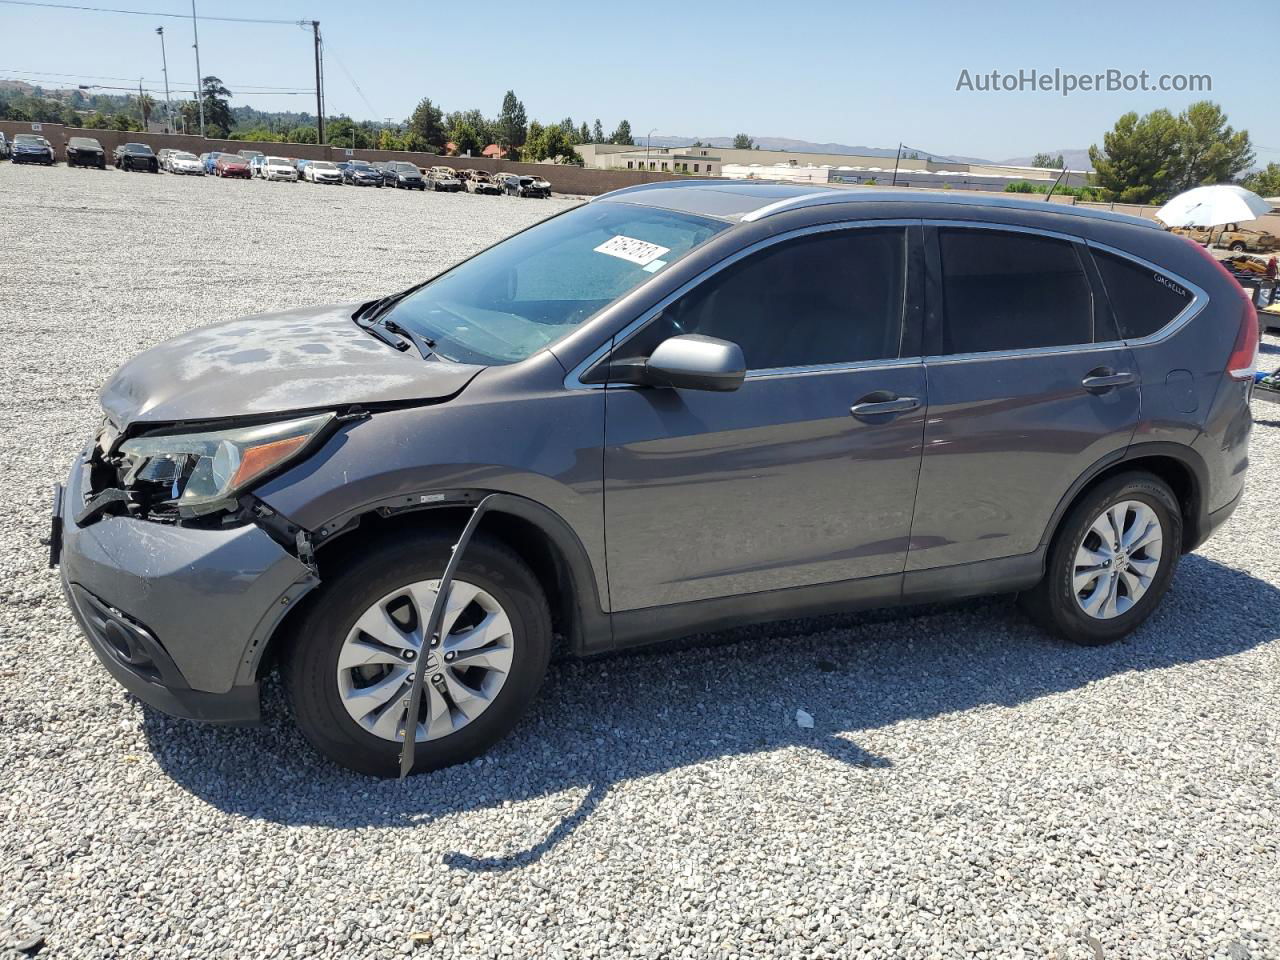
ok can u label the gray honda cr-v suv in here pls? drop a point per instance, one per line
(683, 406)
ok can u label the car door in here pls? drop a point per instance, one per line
(804, 475)
(1028, 388)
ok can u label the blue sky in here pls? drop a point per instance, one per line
(870, 74)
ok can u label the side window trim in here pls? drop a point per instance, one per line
(935, 299)
(1199, 298)
(600, 355)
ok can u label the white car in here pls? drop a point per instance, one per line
(277, 168)
(182, 162)
(322, 171)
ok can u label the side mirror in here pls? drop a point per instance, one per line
(695, 362)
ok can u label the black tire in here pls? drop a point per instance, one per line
(1238, 247)
(1052, 602)
(310, 662)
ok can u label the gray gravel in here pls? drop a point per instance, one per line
(970, 787)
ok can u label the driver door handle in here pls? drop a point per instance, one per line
(1102, 380)
(877, 408)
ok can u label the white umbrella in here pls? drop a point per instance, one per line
(1212, 206)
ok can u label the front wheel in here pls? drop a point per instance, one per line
(1238, 247)
(350, 663)
(1110, 562)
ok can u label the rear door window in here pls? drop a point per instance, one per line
(1007, 291)
(1143, 300)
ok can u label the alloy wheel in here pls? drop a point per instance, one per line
(465, 670)
(1117, 560)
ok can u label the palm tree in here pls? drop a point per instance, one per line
(146, 104)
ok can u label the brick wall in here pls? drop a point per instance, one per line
(563, 179)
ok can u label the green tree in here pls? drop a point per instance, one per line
(743, 142)
(482, 127)
(427, 121)
(414, 142)
(345, 132)
(1209, 150)
(1048, 161)
(301, 134)
(597, 131)
(146, 106)
(217, 110)
(584, 133)
(387, 140)
(466, 140)
(1139, 157)
(623, 135)
(549, 143)
(1266, 182)
(122, 121)
(512, 123)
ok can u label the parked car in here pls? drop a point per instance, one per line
(405, 175)
(209, 160)
(135, 156)
(277, 168)
(479, 181)
(794, 426)
(527, 186)
(1238, 238)
(361, 173)
(162, 157)
(323, 171)
(86, 152)
(249, 154)
(6, 148)
(32, 148)
(231, 165)
(298, 165)
(187, 164)
(444, 178)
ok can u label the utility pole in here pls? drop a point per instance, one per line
(164, 65)
(142, 113)
(897, 160)
(315, 29)
(195, 32)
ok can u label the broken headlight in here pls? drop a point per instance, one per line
(202, 472)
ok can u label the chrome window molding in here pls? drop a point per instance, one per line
(573, 381)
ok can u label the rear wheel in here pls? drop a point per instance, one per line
(350, 664)
(1110, 562)
(1238, 247)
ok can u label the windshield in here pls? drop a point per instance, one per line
(322, 165)
(136, 148)
(513, 299)
(278, 162)
(184, 156)
(360, 165)
(29, 138)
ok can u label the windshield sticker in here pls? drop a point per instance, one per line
(629, 248)
(655, 266)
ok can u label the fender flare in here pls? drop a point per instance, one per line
(1183, 453)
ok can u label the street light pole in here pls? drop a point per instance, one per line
(315, 30)
(195, 32)
(164, 65)
(648, 140)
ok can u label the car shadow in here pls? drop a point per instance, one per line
(614, 719)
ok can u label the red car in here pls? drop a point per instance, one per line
(231, 165)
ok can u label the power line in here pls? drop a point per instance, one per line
(329, 47)
(147, 13)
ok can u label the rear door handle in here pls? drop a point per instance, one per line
(879, 408)
(1100, 381)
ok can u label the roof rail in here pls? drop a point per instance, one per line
(657, 185)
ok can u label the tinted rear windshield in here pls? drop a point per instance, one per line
(513, 299)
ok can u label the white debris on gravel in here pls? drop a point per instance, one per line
(976, 789)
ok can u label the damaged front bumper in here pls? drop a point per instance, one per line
(179, 615)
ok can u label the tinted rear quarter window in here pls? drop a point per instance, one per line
(1143, 300)
(1012, 291)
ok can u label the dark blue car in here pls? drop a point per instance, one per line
(32, 148)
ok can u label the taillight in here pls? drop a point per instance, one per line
(1244, 354)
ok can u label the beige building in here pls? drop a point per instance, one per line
(773, 164)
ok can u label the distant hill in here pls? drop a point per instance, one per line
(800, 146)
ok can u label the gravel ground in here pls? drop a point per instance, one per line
(969, 787)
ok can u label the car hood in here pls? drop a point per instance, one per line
(274, 363)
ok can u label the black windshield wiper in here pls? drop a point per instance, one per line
(426, 346)
(386, 336)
